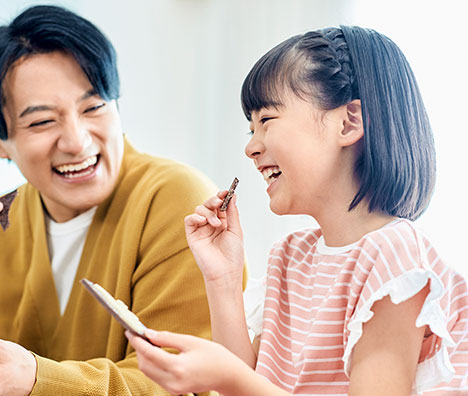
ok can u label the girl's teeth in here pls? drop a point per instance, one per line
(268, 172)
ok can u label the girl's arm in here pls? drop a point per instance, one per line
(228, 324)
(216, 240)
(386, 356)
(200, 366)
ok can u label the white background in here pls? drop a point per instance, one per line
(182, 63)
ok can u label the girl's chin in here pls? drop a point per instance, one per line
(278, 209)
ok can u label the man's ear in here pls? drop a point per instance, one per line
(353, 128)
(3, 152)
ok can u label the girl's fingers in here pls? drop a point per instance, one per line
(211, 216)
(148, 351)
(222, 194)
(166, 339)
(152, 360)
(1, 206)
(163, 339)
(209, 213)
(215, 202)
(233, 222)
(195, 220)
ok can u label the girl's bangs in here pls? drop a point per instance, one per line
(270, 77)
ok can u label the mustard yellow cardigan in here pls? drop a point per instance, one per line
(136, 249)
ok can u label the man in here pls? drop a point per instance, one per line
(93, 208)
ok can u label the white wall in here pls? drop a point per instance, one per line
(182, 63)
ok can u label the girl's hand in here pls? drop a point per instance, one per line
(216, 240)
(200, 366)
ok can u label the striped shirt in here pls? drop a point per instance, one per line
(318, 297)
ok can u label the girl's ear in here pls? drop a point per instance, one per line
(353, 129)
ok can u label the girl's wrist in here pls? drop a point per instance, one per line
(237, 377)
(229, 284)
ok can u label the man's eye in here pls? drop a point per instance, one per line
(40, 123)
(94, 108)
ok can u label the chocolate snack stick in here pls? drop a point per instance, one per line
(229, 195)
(6, 200)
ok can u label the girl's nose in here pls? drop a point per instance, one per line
(254, 148)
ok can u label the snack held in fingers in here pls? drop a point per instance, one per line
(6, 201)
(229, 195)
(117, 308)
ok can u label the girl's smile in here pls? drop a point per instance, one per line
(270, 173)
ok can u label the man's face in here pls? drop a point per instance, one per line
(66, 140)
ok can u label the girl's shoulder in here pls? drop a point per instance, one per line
(397, 248)
(305, 239)
(297, 246)
(395, 237)
(396, 230)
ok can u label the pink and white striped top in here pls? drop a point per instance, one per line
(318, 297)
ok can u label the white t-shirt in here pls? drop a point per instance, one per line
(65, 242)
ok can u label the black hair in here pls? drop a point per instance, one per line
(330, 68)
(44, 29)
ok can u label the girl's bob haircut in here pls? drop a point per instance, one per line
(330, 68)
(44, 29)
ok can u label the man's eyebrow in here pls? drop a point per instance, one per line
(32, 109)
(88, 95)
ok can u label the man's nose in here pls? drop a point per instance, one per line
(75, 137)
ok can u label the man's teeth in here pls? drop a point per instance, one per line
(77, 167)
(270, 173)
(80, 174)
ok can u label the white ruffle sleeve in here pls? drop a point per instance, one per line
(254, 301)
(436, 368)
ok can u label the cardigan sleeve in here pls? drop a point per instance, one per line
(94, 377)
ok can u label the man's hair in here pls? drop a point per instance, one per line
(331, 67)
(45, 29)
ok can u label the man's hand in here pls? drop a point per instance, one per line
(17, 369)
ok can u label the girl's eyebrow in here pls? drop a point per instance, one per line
(32, 109)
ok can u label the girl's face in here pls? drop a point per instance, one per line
(299, 151)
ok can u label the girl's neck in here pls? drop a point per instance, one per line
(344, 228)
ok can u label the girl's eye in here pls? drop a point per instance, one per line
(263, 120)
(40, 123)
(94, 108)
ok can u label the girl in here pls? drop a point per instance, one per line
(363, 305)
